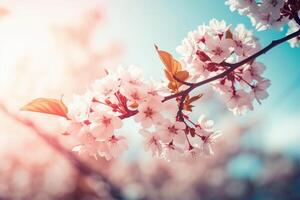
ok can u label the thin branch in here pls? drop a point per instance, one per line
(71, 157)
(181, 81)
(130, 113)
(232, 66)
(297, 19)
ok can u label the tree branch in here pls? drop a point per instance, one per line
(297, 19)
(232, 66)
(78, 164)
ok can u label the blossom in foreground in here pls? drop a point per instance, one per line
(96, 118)
(163, 109)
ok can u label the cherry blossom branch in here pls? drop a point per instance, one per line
(78, 164)
(183, 82)
(232, 66)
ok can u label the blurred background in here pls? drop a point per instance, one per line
(57, 48)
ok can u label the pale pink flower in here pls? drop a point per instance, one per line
(207, 142)
(192, 43)
(152, 142)
(172, 131)
(149, 113)
(131, 76)
(105, 87)
(263, 14)
(222, 88)
(134, 93)
(155, 89)
(103, 124)
(205, 123)
(79, 108)
(87, 145)
(239, 102)
(253, 71)
(217, 27)
(219, 49)
(243, 6)
(273, 7)
(187, 49)
(259, 89)
(195, 151)
(244, 42)
(77, 128)
(172, 152)
(113, 147)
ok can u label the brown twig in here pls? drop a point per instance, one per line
(232, 66)
(297, 19)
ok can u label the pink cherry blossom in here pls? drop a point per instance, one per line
(217, 27)
(113, 147)
(263, 14)
(135, 94)
(152, 142)
(218, 49)
(243, 6)
(205, 123)
(239, 102)
(172, 152)
(105, 87)
(87, 145)
(104, 124)
(194, 152)
(259, 89)
(253, 71)
(131, 76)
(208, 140)
(149, 113)
(79, 109)
(245, 44)
(172, 131)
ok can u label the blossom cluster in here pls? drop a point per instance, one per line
(266, 13)
(216, 54)
(97, 116)
(166, 126)
(205, 53)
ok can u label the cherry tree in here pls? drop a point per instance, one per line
(216, 54)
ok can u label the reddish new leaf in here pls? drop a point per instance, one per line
(47, 106)
(195, 98)
(228, 34)
(171, 64)
(182, 75)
